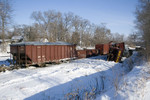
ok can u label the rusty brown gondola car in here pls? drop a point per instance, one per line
(30, 53)
(81, 54)
(102, 48)
(87, 53)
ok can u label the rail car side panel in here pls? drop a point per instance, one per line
(105, 49)
(47, 53)
(34, 54)
(52, 54)
(63, 52)
(43, 53)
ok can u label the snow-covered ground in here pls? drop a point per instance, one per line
(4, 56)
(79, 79)
(58, 81)
(135, 85)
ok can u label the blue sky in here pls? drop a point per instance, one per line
(118, 15)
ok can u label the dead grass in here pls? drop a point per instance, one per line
(84, 94)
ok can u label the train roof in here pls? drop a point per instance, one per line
(41, 43)
(59, 43)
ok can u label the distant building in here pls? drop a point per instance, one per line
(15, 39)
(44, 40)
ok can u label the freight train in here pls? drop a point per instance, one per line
(38, 53)
(114, 51)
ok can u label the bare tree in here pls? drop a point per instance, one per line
(42, 21)
(118, 37)
(101, 35)
(134, 39)
(75, 38)
(68, 25)
(86, 40)
(83, 31)
(86, 34)
(70, 28)
(143, 23)
(5, 18)
(51, 24)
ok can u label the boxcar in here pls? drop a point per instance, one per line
(102, 48)
(87, 53)
(30, 53)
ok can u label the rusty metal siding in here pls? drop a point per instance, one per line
(68, 55)
(52, 54)
(105, 48)
(71, 51)
(59, 52)
(99, 47)
(68, 48)
(28, 54)
(81, 53)
(121, 46)
(43, 53)
(63, 52)
(47, 53)
(88, 53)
(34, 54)
(94, 52)
(22, 49)
(55, 53)
(37, 54)
(66, 51)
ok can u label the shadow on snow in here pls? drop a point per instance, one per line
(84, 86)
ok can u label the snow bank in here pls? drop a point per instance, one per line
(4, 57)
(77, 79)
(133, 86)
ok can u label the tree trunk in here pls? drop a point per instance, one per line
(3, 34)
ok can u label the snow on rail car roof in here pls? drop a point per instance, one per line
(27, 43)
(42, 43)
(58, 43)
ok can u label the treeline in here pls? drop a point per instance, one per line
(56, 26)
